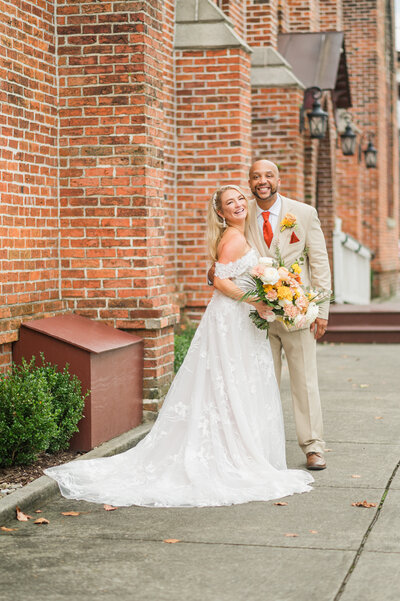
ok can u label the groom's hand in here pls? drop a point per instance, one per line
(210, 275)
(318, 327)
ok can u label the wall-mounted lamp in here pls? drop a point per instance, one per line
(317, 118)
(348, 138)
(370, 153)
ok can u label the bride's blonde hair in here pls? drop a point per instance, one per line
(215, 223)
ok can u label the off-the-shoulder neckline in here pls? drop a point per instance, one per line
(237, 260)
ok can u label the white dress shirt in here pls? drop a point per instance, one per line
(274, 213)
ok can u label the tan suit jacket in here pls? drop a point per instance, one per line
(315, 270)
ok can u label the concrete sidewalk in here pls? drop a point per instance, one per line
(243, 552)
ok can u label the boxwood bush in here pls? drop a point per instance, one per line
(40, 407)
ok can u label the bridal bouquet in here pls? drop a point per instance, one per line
(282, 290)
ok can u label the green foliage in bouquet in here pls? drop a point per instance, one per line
(39, 410)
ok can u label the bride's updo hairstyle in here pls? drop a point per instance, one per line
(215, 223)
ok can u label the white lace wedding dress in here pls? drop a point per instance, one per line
(219, 437)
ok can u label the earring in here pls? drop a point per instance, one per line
(223, 222)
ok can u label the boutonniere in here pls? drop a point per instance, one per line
(288, 222)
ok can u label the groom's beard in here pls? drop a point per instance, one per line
(272, 195)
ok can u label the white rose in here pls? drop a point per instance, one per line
(270, 276)
(300, 321)
(271, 318)
(267, 261)
(312, 312)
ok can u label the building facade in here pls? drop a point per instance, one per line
(120, 118)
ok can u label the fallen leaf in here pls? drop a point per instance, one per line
(355, 476)
(22, 517)
(41, 521)
(364, 385)
(288, 534)
(378, 417)
(314, 531)
(38, 511)
(363, 504)
(72, 513)
(171, 540)
(280, 503)
(8, 529)
(109, 508)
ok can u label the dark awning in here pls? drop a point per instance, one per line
(319, 59)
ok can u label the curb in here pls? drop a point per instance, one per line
(44, 488)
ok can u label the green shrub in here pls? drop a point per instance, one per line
(182, 341)
(26, 419)
(39, 410)
(67, 403)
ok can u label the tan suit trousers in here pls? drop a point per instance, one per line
(300, 350)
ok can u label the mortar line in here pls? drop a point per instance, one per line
(366, 535)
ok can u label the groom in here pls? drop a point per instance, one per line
(267, 212)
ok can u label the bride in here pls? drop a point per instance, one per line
(219, 437)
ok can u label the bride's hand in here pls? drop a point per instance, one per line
(263, 310)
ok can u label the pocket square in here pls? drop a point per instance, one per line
(293, 238)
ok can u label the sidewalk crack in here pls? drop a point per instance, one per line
(366, 535)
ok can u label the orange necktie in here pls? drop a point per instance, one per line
(267, 229)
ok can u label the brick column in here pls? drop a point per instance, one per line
(276, 136)
(370, 56)
(112, 136)
(262, 22)
(331, 15)
(304, 15)
(235, 10)
(326, 190)
(213, 135)
(29, 284)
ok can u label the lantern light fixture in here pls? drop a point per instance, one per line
(348, 138)
(370, 152)
(317, 117)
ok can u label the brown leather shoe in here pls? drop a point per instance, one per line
(315, 461)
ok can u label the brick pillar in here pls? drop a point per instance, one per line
(212, 71)
(370, 51)
(275, 134)
(262, 22)
(304, 15)
(310, 169)
(213, 136)
(112, 137)
(235, 10)
(29, 264)
(326, 182)
(331, 15)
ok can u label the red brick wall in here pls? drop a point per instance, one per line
(331, 15)
(235, 10)
(372, 93)
(304, 15)
(327, 189)
(275, 134)
(262, 23)
(29, 285)
(213, 146)
(112, 135)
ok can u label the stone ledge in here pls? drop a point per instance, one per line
(270, 70)
(201, 25)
